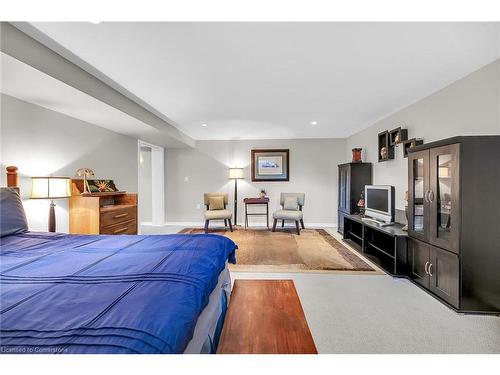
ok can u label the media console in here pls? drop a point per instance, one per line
(385, 245)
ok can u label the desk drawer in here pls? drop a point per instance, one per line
(127, 227)
(120, 215)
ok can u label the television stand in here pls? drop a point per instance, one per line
(385, 245)
(376, 222)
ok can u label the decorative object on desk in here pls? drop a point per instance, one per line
(405, 228)
(235, 174)
(411, 143)
(270, 165)
(101, 186)
(356, 155)
(262, 194)
(50, 188)
(85, 173)
(398, 135)
(361, 204)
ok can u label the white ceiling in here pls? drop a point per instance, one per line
(270, 80)
(29, 84)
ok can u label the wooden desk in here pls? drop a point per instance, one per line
(265, 317)
(255, 201)
(102, 213)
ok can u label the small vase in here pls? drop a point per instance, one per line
(356, 155)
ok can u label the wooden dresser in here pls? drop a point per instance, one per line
(102, 213)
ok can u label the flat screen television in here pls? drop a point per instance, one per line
(379, 202)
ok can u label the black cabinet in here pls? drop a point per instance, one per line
(419, 254)
(444, 275)
(453, 208)
(352, 179)
(435, 269)
(434, 190)
(385, 246)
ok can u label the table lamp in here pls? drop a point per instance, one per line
(235, 174)
(50, 188)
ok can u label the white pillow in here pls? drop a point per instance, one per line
(291, 204)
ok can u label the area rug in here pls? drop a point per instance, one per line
(261, 250)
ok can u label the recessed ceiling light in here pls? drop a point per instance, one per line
(204, 125)
(314, 122)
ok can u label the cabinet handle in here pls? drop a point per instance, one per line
(431, 196)
(426, 196)
(120, 230)
(120, 215)
(425, 267)
(430, 267)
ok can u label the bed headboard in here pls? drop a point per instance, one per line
(12, 177)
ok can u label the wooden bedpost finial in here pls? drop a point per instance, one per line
(12, 178)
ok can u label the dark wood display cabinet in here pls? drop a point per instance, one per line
(453, 224)
(352, 180)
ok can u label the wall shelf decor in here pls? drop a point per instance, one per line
(385, 150)
(397, 136)
(411, 143)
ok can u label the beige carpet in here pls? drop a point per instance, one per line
(261, 250)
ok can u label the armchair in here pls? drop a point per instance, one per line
(291, 209)
(216, 209)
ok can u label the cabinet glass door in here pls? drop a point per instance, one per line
(343, 188)
(443, 197)
(418, 188)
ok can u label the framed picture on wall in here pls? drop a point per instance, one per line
(271, 165)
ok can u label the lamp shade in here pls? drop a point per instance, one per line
(50, 187)
(235, 173)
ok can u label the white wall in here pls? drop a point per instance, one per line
(41, 142)
(470, 106)
(313, 170)
(145, 178)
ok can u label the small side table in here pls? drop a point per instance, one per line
(252, 201)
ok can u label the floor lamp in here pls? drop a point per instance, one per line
(50, 188)
(235, 174)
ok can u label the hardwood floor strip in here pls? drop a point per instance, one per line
(265, 317)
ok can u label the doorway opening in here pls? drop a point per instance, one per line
(151, 184)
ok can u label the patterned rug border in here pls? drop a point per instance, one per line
(347, 254)
(360, 265)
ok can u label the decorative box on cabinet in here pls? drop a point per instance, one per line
(102, 213)
(453, 210)
(352, 179)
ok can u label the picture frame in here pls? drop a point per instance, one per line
(101, 186)
(270, 165)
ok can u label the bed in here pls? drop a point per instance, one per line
(63, 293)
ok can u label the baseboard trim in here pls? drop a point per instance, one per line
(201, 223)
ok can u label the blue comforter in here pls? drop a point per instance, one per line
(106, 294)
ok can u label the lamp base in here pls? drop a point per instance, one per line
(52, 217)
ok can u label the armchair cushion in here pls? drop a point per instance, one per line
(288, 215)
(291, 203)
(216, 203)
(217, 214)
